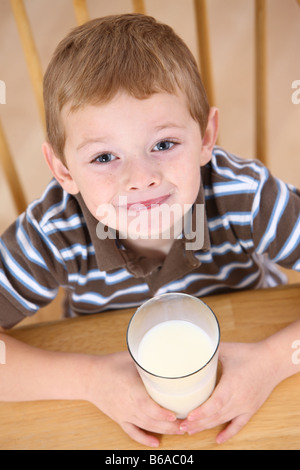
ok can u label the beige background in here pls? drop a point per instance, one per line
(232, 40)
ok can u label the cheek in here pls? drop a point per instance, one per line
(97, 191)
(188, 182)
(192, 188)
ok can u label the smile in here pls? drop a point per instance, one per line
(149, 204)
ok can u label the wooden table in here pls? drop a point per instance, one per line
(243, 316)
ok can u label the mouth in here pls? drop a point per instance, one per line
(138, 206)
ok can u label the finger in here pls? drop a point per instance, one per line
(157, 426)
(140, 436)
(232, 429)
(212, 408)
(156, 412)
(215, 411)
(215, 404)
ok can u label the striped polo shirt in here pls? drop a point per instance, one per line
(251, 223)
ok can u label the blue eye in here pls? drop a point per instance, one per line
(163, 146)
(104, 158)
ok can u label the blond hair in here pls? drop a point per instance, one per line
(131, 52)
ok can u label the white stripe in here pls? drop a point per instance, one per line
(296, 266)
(237, 162)
(257, 198)
(30, 252)
(96, 275)
(225, 247)
(22, 276)
(291, 244)
(43, 236)
(97, 299)
(74, 221)
(223, 189)
(55, 210)
(7, 285)
(230, 174)
(77, 250)
(246, 244)
(279, 207)
(224, 221)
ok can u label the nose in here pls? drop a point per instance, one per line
(141, 174)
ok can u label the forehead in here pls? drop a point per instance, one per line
(157, 110)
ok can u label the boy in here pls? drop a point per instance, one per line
(131, 138)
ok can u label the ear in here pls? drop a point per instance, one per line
(210, 136)
(59, 170)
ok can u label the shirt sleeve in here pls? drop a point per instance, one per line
(31, 270)
(276, 221)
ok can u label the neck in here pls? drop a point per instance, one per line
(149, 248)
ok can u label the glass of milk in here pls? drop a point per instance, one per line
(174, 341)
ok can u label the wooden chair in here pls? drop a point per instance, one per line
(81, 13)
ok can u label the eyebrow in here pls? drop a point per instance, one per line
(88, 141)
(169, 125)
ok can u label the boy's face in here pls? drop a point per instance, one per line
(130, 155)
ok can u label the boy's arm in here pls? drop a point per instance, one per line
(34, 374)
(109, 382)
(284, 351)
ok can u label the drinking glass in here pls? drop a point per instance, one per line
(184, 392)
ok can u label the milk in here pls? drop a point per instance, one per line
(175, 350)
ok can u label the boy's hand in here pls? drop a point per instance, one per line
(246, 382)
(117, 390)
